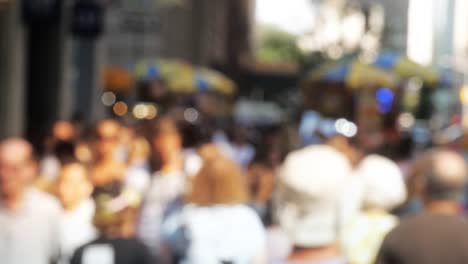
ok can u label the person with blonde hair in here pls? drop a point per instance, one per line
(216, 226)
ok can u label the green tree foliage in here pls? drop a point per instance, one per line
(277, 46)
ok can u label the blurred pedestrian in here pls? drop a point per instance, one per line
(439, 234)
(308, 202)
(168, 182)
(108, 166)
(74, 191)
(138, 174)
(263, 170)
(216, 226)
(243, 152)
(382, 188)
(29, 219)
(63, 133)
(64, 152)
(115, 218)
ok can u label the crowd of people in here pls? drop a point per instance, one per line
(166, 192)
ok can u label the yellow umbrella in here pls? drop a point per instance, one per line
(183, 77)
(354, 74)
(364, 74)
(406, 68)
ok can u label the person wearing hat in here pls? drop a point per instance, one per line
(115, 217)
(309, 201)
(382, 188)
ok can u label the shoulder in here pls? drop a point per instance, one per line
(43, 201)
(246, 218)
(405, 229)
(78, 254)
(247, 213)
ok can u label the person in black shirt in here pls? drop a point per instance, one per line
(116, 210)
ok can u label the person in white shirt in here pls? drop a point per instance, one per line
(138, 175)
(29, 219)
(167, 183)
(74, 191)
(216, 226)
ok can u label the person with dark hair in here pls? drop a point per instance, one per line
(29, 218)
(107, 166)
(74, 192)
(59, 148)
(115, 217)
(439, 234)
(167, 184)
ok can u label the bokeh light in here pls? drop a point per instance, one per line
(191, 115)
(120, 108)
(140, 111)
(108, 98)
(385, 99)
(152, 112)
(406, 121)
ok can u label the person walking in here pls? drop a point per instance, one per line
(439, 233)
(29, 219)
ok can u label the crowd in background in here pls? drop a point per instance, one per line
(174, 192)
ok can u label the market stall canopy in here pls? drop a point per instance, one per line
(117, 79)
(406, 68)
(354, 74)
(183, 77)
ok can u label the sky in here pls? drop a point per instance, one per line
(293, 16)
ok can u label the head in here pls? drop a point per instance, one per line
(310, 189)
(116, 210)
(65, 151)
(17, 167)
(383, 184)
(140, 150)
(126, 134)
(166, 140)
(63, 131)
(219, 182)
(108, 138)
(73, 185)
(445, 177)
